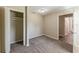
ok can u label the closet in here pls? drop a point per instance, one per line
(16, 27)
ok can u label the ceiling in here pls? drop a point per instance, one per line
(43, 10)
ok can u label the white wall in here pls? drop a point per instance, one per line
(51, 21)
(76, 30)
(34, 24)
(13, 29)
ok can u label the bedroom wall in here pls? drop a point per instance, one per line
(76, 30)
(34, 24)
(51, 23)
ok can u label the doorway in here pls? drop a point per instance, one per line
(16, 28)
(66, 30)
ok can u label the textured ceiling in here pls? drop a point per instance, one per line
(48, 8)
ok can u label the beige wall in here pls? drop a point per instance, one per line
(52, 23)
(34, 24)
(2, 26)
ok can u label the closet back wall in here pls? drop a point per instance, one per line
(16, 26)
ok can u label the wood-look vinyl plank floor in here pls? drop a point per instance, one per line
(41, 44)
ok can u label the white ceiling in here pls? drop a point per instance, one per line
(49, 9)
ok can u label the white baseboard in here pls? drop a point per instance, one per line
(15, 41)
(45, 35)
(51, 37)
(27, 45)
(35, 36)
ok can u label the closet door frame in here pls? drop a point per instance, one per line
(7, 28)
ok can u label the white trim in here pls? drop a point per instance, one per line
(7, 30)
(27, 42)
(45, 35)
(36, 36)
(16, 41)
(26, 32)
(51, 36)
(24, 29)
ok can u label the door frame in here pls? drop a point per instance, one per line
(65, 15)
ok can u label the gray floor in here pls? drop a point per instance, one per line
(42, 44)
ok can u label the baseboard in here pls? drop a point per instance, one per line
(61, 35)
(50, 36)
(36, 36)
(16, 41)
(47, 36)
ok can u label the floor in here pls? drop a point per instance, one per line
(42, 44)
(68, 39)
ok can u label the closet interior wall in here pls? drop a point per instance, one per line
(16, 26)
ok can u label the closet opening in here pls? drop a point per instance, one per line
(16, 31)
(66, 31)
